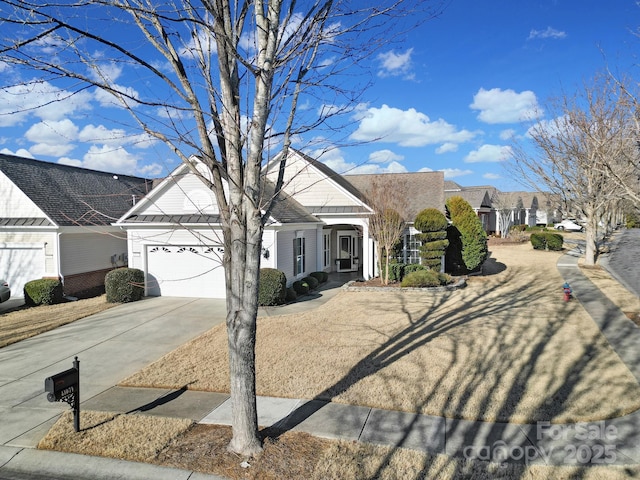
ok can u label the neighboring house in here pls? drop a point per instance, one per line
(420, 189)
(175, 238)
(480, 200)
(55, 222)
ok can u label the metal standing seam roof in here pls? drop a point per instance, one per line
(72, 195)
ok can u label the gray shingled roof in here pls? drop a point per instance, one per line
(285, 208)
(422, 189)
(71, 195)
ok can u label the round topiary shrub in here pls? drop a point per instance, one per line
(272, 287)
(44, 291)
(311, 281)
(123, 285)
(301, 287)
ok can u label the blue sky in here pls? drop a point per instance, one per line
(451, 97)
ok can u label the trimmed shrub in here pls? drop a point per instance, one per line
(291, 294)
(395, 271)
(311, 281)
(425, 278)
(412, 267)
(546, 241)
(301, 287)
(471, 235)
(272, 287)
(123, 285)
(43, 292)
(320, 276)
(433, 225)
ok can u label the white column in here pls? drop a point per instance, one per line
(366, 251)
(319, 248)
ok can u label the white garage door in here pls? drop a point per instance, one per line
(21, 263)
(185, 271)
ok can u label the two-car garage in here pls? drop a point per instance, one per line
(185, 271)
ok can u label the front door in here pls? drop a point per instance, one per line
(347, 257)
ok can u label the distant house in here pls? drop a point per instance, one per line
(56, 222)
(479, 198)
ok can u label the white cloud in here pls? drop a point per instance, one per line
(52, 138)
(549, 32)
(505, 106)
(552, 128)
(114, 137)
(40, 149)
(447, 147)
(492, 176)
(108, 99)
(489, 153)
(395, 64)
(70, 161)
(455, 172)
(384, 156)
(52, 132)
(40, 99)
(507, 134)
(110, 159)
(200, 41)
(407, 128)
(21, 152)
(151, 170)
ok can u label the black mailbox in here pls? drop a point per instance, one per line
(61, 385)
(65, 387)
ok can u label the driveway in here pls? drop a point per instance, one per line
(110, 346)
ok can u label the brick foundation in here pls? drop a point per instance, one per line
(84, 281)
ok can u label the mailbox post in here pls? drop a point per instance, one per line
(65, 387)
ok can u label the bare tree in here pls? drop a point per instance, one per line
(581, 154)
(220, 80)
(504, 207)
(386, 225)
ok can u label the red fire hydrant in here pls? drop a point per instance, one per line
(567, 291)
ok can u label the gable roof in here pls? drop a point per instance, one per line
(422, 189)
(285, 209)
(72, 195)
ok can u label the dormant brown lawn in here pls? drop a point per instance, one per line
(505, 348)
(27, 322)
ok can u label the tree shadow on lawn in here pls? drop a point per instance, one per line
(510, 360)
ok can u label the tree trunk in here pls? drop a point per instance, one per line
(242, 311)
(591, 232)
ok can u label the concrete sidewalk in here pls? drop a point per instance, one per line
(615, 441)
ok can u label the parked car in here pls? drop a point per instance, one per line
(568, 225)
(5, 291)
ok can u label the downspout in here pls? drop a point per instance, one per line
(58, 258)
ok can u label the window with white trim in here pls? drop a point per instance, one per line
(412, 248)
(326, 249)
(298, 256)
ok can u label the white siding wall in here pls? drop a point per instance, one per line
(86, 252)
(186, 195)
(285, 253)
(268, 243)
(310, 187)
(48, 238)
(15, 203)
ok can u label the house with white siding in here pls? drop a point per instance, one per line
(56, 222)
